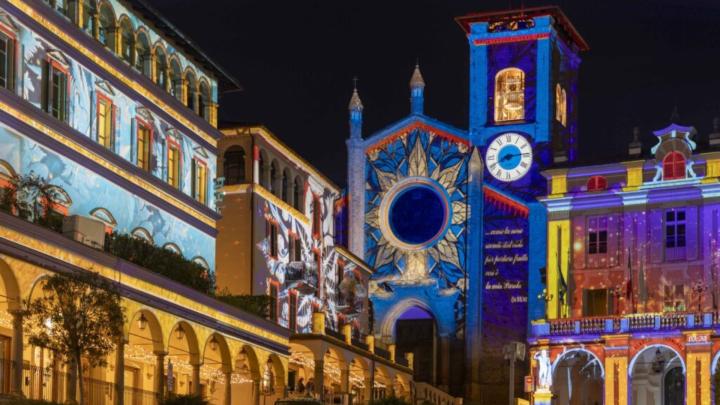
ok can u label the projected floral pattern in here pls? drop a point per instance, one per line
(423, 157)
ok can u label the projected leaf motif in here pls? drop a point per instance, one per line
(418, 153)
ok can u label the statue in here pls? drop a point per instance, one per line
(544, 370)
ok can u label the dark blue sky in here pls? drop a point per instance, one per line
(296, 60)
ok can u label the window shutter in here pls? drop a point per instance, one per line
(610, 303)
(578, 243)
(656, 236)
(691, 233)
(45, 87)
(193, 179)
(113, 127)
(585, 299)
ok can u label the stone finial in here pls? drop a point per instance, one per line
(417, 81)
(635, 147)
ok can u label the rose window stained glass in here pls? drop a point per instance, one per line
(417, 215)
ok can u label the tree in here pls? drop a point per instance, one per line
(79, 317)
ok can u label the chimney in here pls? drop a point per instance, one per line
(635, 147)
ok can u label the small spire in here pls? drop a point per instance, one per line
(635, 147)
(355, 102)
(675, 116)
(417, 81)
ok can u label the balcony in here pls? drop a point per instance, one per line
(647, 322)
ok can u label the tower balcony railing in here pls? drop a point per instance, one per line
(630, 323)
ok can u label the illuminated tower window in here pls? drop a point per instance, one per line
(143, 146)
(674, 166)
(173, 166)
(560, 104)
(105, 122)
(510, 95)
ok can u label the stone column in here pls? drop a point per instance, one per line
(17, 353)
(256, 165)
(320, 378)
(444, 360)
(228, 388)
(345, 384)
(160, 375)
(120, 372)
(616, 379)
(256, 392)
(196, 378)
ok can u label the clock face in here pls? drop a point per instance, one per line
(509, 157)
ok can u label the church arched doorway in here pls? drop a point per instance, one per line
(657, 377)
(578, 379)
(416, 332)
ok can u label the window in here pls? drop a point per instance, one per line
(292, 304)
(142, 54)
(595, 302)
(204, 101)
(340, 274)
(597, 235)
(175, 79)
(295, 253)
(144, 139)
(161, 68)
(190, 91)
(89, 10)
(273, 301)
(285, 186)
(596, 183)
(173, 166)
(7, 61)
(316, 215)
(674, 166)
(510, 95)
(105, 122)
(297, 194)
(199, 181)
(106, 28)
(127, 40)
(234, 165)
(274, 178)
(675, 234)
(674, 298)
(272, 235)
(560, 105)
(55, 90)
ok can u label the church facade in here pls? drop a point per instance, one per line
(449, 219)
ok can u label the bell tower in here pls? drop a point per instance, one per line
(523, 119)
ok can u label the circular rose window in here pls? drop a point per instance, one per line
(417, 214)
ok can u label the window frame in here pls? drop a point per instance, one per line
(174, 145)
(499, 96)
(101, 98)
(54, 66)
(675, 234)
(670, 169)
(11, 55)
(316, 216)
(292, 309)
(272, 233)
(597, 183)
(141, 123)
(274, 293)
(199, 193)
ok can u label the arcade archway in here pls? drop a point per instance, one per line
(578, 378)
(657, 376)
(415, 331)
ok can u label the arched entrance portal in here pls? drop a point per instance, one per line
(578, 379)
(416, 332)
(657, 375)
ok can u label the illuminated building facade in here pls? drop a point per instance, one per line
(449, 218)
(277, 238)
(117, 111)
(632, 276)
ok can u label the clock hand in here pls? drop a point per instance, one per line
(509, 156)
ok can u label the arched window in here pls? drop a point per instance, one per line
(234, 165)
(510, 95)
(286, 184)
(596, 183)
(560, 104)
(106, 217)
(161, 68)
(89, 13)
(204, 101)
(144, 234)
(190, 90)
(61, 6)
(262, 167)
(175, 79)
(106, 26)
(201, 262)
(142, 54)
(674, 166)
(298, 190)
(127, 40)
(274, 178)
(173, 248)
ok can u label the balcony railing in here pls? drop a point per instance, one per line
(624, 324)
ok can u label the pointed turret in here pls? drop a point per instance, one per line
(417, 88)
(355, 108)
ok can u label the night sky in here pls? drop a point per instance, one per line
(296, 61)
